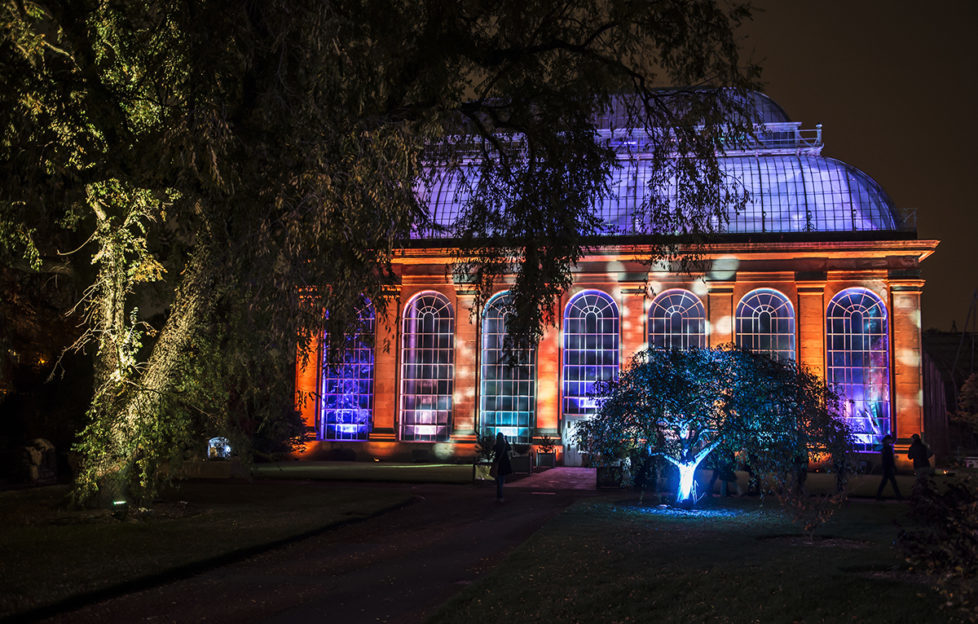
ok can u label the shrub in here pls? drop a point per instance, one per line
(945, 544)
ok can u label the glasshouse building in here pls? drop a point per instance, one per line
(818, 267)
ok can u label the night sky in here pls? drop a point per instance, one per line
(895, 85)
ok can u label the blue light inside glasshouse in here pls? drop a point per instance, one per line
(347, 386)
(856, 335)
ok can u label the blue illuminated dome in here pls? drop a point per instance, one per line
(790, 186)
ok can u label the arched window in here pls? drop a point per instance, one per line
(765, 323)
(858, 359)
(590, 349)
(427, 368)
(677, 320)
(508, 398)
(347, 387)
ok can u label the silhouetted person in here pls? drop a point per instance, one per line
(800, 465)
(643, 473)
(724, 464)
(753, 479)
(920, 455)
(501, 463)
(889, 469)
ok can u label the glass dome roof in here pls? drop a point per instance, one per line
(787, 193)
(767, 110)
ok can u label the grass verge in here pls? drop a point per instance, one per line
(50, 556)
(735, 561)
(364, 471)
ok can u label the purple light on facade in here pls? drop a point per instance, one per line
(347, 387)
(857, 352)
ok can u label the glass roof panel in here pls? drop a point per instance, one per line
(787, 193)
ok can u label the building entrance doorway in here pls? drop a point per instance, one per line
(572, 454)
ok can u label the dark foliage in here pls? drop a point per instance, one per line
(945, 546)
(241, 167)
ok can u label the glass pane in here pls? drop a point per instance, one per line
(427, 368)
(858, 362)
(590, 349)
(765, 323)
(346, 388)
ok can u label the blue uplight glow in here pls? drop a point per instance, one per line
(692, 512)
(687, 482)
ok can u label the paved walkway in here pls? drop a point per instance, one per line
(559, 479)
(396, 568)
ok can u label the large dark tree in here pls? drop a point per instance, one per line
(683, 405)
(215, 174)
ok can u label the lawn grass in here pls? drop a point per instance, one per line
(49, 554)
(612, 561)
(366, 471)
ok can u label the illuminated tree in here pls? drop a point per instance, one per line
(684, 404)
(239, 167)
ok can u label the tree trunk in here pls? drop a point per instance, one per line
(142, 397)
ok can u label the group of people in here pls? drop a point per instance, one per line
(918, 453)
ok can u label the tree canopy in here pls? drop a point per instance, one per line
(967, 407)
(217, 174)
(684, 404)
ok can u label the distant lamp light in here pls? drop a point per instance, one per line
(218, 447)
(120, 508)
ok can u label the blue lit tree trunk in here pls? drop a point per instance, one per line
(686, 491)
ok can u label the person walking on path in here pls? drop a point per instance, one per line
(501, 465)
(920, 455)
(889, 469)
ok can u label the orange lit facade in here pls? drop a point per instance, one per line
(818, 268)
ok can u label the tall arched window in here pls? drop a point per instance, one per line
(590, 349)
(858, 359)
(427, 368)
(765, 323)
(347, 387)
(677, 320)
(508, 398)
